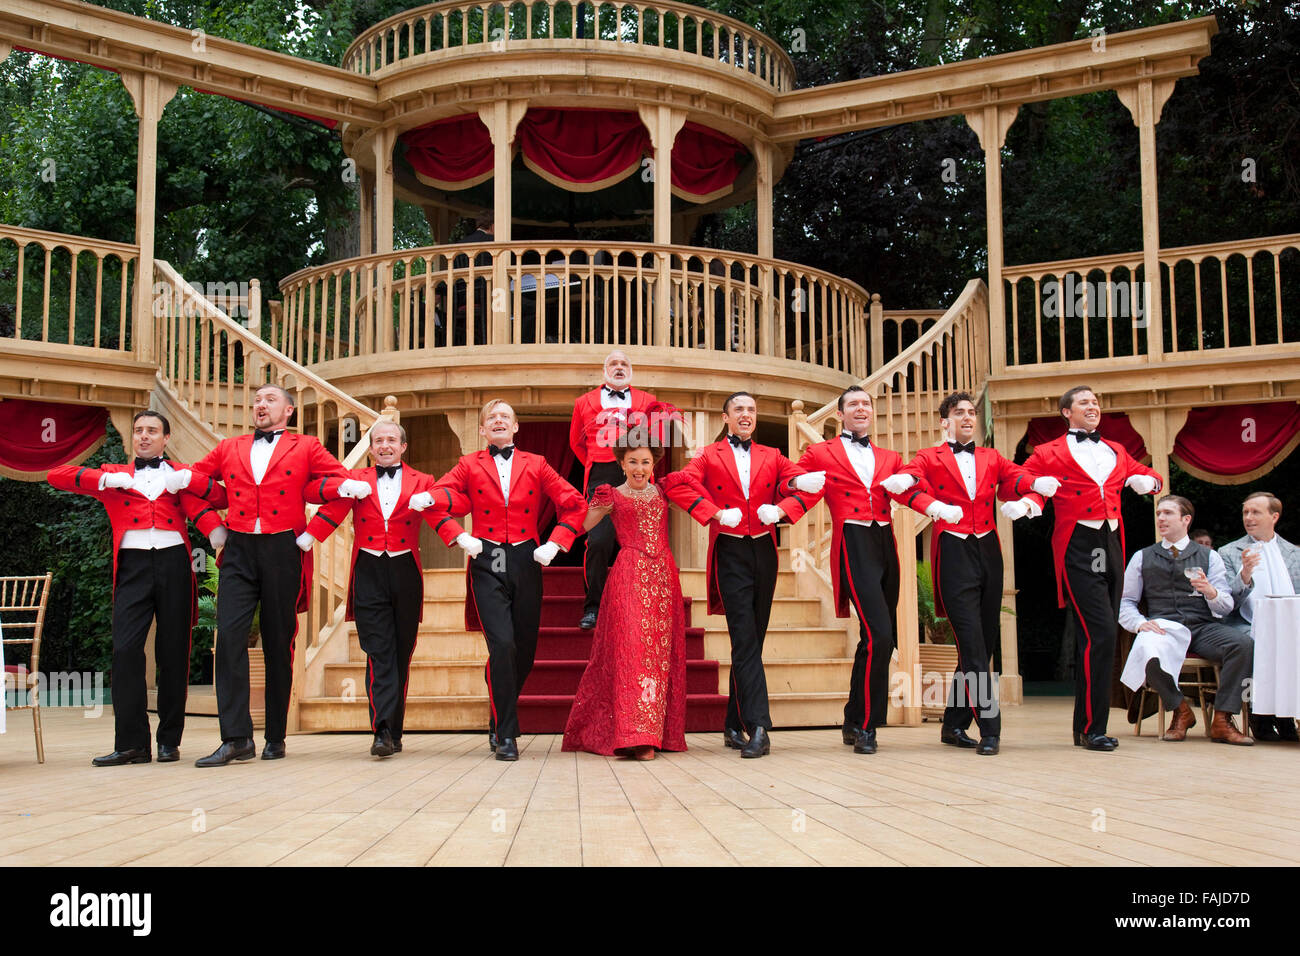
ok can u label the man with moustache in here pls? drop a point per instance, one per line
(598, 418)
(1088, 549)
(958, 484)
(502, 488)
(148, 500)
(739, 495)
(265, 565)
(386, 583)
(1258, 564)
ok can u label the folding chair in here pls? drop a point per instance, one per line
(1199, 681)
(22, 598)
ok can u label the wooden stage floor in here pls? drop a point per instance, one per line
(1042, 802)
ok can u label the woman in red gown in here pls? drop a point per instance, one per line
(632, 698)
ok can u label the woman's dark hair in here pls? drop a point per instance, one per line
(620, 452)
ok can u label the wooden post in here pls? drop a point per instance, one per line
(663, 123)
(366, 180)
(1011, 686)
(384, 140)
(991, 125)
(877, 334)
(150, 95)
(909, 652)
(502, 119)
(766, 344)
(255, 307)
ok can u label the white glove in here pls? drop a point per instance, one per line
(1142, 484)
(1046, 485)
(469, 544)
(218, 537)
(304, 541)
(1015, 509)
(352, 488)
(811, 482)
(545, 554)
(770, 514)
(115, 479)
(175, 481)
(897, 484)
(419, 501)
(729, 517)
(951, 514)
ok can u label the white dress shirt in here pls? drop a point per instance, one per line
(151, 482)
(259, 458)
(503, 472)
(1097, 459)
(1130, 618)
(742, 466)
(1269, 577)
(966, 465)
(389, 489)
(610, 401)
(863, 460)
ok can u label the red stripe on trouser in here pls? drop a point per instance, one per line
(1087, 652)
(871, 643)
(370, 693)
(487, 667)
(735, 688)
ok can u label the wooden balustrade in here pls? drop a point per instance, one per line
(522, 293)
(65, 290)
(459, 27)
(1221, 295)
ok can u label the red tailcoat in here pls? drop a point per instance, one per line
(711, 483)
(848, 498)
(1079, 497)
(589, 426)
(128, 510)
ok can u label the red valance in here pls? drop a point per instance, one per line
(38, 436)
(1231, 444)
(705, 163)
(582, 150)
(1114, 426)
(454, 153)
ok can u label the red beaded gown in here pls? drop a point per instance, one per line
(633, 692)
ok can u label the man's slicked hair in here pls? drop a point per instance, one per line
(150, 413)
(844, 396)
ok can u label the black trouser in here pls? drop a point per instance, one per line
(1221, 643)
(745, 571)
(387, 597)
(257, 571)
(151, 584)
(969, 579)
(1094, 581)
(507, 587)
(602, 543)
(869, 576)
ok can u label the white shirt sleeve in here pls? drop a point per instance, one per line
(1129, 617)
(1221, 606)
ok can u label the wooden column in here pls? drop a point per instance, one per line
(383, 143)
(1011, 685)
(366, 182)
(766, 344)
(150, 95)
(502, 119)
(1159, 427)
(1145, 101)
(991, 125)
(909, 652)
(663, 123)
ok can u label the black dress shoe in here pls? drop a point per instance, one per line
(588, 621)
(507, 749)
(492, 741)
(956, 737)
(988, 746)
(237, 749)
(1262, 729)
(1095, 741)
(168, 754)
(274, 750)
(383, 745)
(734, 739)
(1285, 728)
(865, 742)
(849, 735)
(760, 745)
(119, 757)
(397, 746)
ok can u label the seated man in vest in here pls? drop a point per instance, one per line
(1185, 588)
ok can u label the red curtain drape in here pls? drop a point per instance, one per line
(38, 436)
(705, 163)
(1236, 443)
(551, 441)
(582, 149)
(1114, 426)
(454, 153)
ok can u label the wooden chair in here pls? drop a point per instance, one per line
(22, 598)
(1199, 681)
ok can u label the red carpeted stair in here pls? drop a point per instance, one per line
(563, 650)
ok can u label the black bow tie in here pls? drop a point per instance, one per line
(615, 393)
(386, 471)
(864, 441)
(505, 453)
(147, 463)
(957, 446)
(738, 442)
(1087, 436)
(258, 435)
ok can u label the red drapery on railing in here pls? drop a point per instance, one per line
(1231, 444)
(705, 163)
(38, 436)
(454, 153)
(1114, 426)
(582, 150)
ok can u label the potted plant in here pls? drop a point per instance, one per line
(938, 630)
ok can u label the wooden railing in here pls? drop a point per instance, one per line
(1221, 295)
(66, 290)
(443, 297)
(674, 29)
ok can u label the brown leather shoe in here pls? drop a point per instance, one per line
(1184, 720)
(1222, 731)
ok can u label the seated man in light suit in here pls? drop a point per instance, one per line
(1261, 563)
